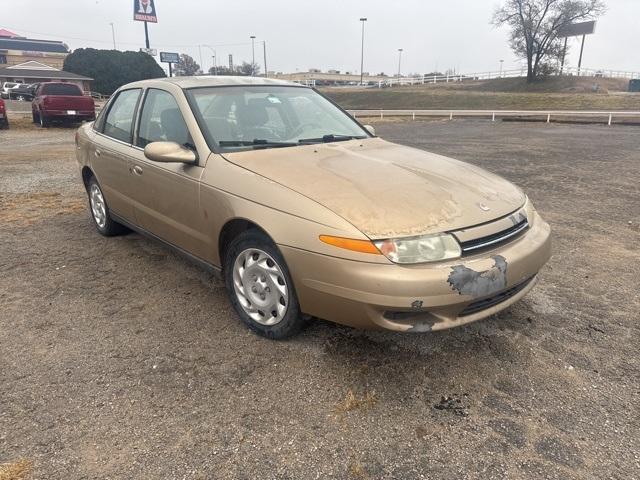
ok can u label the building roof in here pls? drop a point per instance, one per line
(31, 45)
(219, 81)
(7, 33)
(35, 70)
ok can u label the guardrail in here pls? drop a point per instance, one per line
(607, 116)
(522, 72)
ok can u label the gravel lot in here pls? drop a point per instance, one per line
(119, 359)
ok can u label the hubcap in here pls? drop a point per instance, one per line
(98, 208)
(260, 286)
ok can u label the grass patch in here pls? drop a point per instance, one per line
(354, 402)
(20, 470)
(500, 94)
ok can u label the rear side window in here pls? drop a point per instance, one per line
(118, 123)
(161, 120)
(67, 89)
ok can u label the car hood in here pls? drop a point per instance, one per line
(387, 190)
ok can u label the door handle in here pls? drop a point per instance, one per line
(137, 170)
(98, 152)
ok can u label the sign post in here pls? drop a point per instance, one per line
(575, 30)
(145, 11)
(170, 58)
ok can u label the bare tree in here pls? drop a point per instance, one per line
(535, 25)
(187, 66)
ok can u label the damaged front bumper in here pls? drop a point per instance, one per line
(418, 298)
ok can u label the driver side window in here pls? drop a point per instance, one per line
(161, 120)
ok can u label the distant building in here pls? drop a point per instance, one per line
(15, 50)
(331, 77)
(25, 60)
(35, 72)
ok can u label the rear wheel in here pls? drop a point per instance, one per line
(260, 286)
(34, 117)
(100, 211)
(43, 119)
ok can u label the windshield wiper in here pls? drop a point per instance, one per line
(256, 144)
(330, 138)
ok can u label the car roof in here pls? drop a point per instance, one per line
(213, 81)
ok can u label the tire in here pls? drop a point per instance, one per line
(4, 124)
(264, 285)
(100, 211)
(44, 120)
(34, 117)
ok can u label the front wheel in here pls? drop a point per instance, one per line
(260, 286)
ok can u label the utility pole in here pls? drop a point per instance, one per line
(113, 34)
(253, 54)
(501, 63)
(363, 19)
(400, 50)
(264, 46)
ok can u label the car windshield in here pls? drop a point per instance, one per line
(256, 117)
(66, 89)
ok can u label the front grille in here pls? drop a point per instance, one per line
(480, 305)
(491, 241)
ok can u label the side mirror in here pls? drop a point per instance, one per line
(169, 152)
(370, 129)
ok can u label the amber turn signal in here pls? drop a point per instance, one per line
(362, 246)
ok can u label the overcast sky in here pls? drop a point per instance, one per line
(323, 34)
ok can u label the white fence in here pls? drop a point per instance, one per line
(548, 115)
(446, 78)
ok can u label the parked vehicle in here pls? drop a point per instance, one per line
(24, 92)
(4, 120)
(56, 101)
(304, 211)
(6, 87)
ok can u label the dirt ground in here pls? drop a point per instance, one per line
(119, 359)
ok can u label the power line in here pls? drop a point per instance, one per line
(129, 43)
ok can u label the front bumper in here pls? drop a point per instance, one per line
(419, 297)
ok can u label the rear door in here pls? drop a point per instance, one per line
(166, 195)
(111, 155)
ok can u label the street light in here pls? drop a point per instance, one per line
(253, 54)
(363, 19)
(501, 62)
(113, 34)
(213, 58)
(400, 50)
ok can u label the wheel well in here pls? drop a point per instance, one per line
(86, 176)
(231, 230)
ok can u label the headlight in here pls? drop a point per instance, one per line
(430, 248)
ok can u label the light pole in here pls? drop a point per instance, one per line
(264, 46)
(501, 62)
(113, 34)
(363, 19)
(253, 54)
(400, 50)
(213, 58)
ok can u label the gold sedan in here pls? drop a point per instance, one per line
(305, 212)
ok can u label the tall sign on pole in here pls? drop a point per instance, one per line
(170, 58)
(576, 30)
(145, 11)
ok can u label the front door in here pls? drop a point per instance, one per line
(167, 194)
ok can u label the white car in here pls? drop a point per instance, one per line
(7, 87)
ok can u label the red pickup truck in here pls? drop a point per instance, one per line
(4, 121)
(62, 102)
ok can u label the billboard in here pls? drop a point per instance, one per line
(169, 57)
(577, 29)
(145, 11)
